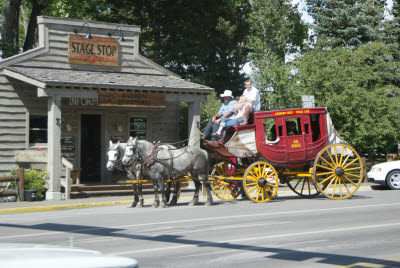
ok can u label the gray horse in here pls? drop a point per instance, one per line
(165, 163)
(134, 172)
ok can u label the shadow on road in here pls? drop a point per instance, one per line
(279, 253)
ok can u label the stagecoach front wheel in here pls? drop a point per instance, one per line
(260, 182)
(338, 171)
(225, 190)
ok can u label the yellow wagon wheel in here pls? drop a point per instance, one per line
(338, 171)
(260, 182)
(225, 190)
(303, 186)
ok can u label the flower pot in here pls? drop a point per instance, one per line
(30, 195)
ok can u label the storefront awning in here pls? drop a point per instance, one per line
(52, 77)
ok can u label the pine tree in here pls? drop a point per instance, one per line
(346, 23)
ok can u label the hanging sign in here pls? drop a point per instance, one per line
(95, 51)
(132, 99)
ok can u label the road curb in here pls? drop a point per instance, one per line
(109, 203)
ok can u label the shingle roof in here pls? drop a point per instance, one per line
(52, 76)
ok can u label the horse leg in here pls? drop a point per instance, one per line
(195, 199)
(140, 187)
(156, 202)
(207, 185)
(164, 200)
(135, 195)
(177, 188)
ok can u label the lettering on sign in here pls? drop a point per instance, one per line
(132, 99)
(80, 102)
(296, 144)
(68, 148)
(95, 51)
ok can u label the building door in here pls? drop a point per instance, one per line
(90, 148)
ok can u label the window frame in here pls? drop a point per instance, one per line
(147, 131)
(28, 130)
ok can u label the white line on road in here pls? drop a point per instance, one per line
(197, 220)
(211, 244)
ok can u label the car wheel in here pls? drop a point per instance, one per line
(393, 180)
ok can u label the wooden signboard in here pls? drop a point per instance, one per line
(131, 99)
(95, 51)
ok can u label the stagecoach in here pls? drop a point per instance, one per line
(311, 159)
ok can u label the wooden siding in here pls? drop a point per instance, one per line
(12, 125)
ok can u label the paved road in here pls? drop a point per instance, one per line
(363, 231)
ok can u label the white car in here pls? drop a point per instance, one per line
(45, 256)
(387, 173)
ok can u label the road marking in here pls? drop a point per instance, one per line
(201, 219)
(259, 238)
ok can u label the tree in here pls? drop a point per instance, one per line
(31, 32)
(360, 88)
(276, 30)
(9, 44)
(346, 23)
(202, 41)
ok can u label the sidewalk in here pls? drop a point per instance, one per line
(47, 205)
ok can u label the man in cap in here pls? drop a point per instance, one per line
(225, 111)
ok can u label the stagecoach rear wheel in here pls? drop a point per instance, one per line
(225, 190)
(303, 186)
(338, 171)
(260, 182)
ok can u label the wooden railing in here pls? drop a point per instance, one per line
(68, 181)
(19, 179)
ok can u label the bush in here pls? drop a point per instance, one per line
(34, 180)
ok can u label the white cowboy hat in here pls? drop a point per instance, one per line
(227, 93)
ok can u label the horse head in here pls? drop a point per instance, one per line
(131, 153)
(113, 155)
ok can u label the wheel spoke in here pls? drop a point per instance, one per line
(341, 156)
(333, 161)
(334, 187)
(349, 169)
(326, 173)
(340, 187)
(326, 179)
(351, 181)
(326, 161)
(353, 175)
(336, 155)
(253, 183)
(325, 167)
(350, 163)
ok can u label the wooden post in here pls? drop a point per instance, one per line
(21, 183)
(364, 163)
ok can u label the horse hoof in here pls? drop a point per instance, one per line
(208, 203)
(162, 205)
(194, 202)
(140, 205)
(133, 205)
(173, 201)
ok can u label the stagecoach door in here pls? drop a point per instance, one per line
(90, 148)
(295, 138)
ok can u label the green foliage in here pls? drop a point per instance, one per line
(209, 108)
(276, 29)
(34, 180)
(360, 87)
(202, 41)
(346, 23)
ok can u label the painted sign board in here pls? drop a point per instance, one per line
(132, 99)
(95, 51)
(308, 101)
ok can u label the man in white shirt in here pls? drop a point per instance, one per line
(253, 95)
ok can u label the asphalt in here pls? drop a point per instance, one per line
(76, 203)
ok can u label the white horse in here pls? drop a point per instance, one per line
(165, 163)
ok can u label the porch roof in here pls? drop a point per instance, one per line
(44, 77)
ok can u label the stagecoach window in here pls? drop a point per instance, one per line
(138, 127)
(293, 126)
(315, 129)
(37, 128)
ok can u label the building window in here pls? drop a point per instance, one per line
(138, 127)
(37, 128)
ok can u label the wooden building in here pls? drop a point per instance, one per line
(85, 84)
